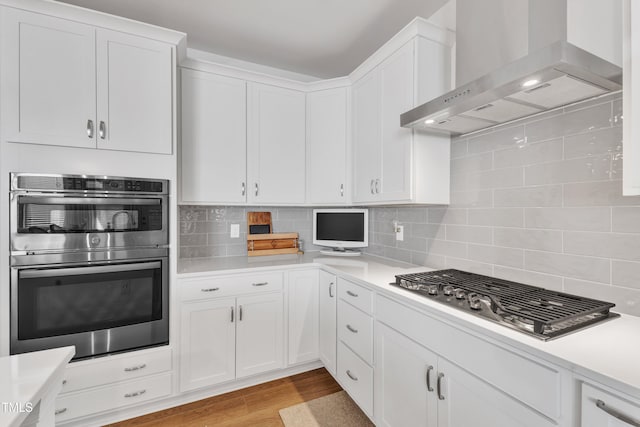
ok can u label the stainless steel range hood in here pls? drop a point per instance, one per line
(550, 77)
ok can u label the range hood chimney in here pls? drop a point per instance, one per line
(516, 58)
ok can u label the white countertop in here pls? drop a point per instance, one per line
(27, 378)
(607, 352)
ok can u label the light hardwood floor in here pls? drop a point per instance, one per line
(253, 406)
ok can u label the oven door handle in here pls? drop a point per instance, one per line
(135, 201)
(48, 272)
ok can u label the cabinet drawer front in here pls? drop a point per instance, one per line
(356, 295)
(214, 287)
(355, 329)
(110, 369)
(356, 377)
(75, 405)
(602, 408)
(537, 384)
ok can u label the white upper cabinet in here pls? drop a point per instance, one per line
(327, 150)
(276, 145)
(631, 98)
(48, 80)
(70, 84)
(214, 138)
(135, 95)
(393, 164)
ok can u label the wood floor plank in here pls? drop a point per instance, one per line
(252, 406)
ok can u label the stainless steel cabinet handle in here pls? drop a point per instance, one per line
(615, 414)
(341, 190)
(60, 411)
(330, 293)
(429, 369)
(64, 382)
(231, 314)
(439, 386)
(209, 289)
(49, 272)
(240, 314)
(257, 188)
(102, 130)
(351, 294)
(377, 186)
(244, 188)
(135, 393)
(260, 284)
(371, 186)
(350, 375)
(90, 128)
(135, 368)
(352, 329)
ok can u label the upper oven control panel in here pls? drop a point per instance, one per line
(87, 183)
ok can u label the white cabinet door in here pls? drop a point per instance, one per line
(207, 343)
(276, 145)
(465, 400)
(135, 93)
(214, 138)
(366, 137)
(260, 334)
(48, 80)
(604, 409)
(396, 97)
(327, 152)
(328, 308)
(631, 98)
(405, 381)
(303, 316)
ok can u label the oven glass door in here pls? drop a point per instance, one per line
(98, 308)
(58, 222)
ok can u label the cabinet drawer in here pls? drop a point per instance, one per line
(602, 408)
(214, 287)
(106, 370)
(356, 295)
(355, 329)
(76, 405)
(356, 377)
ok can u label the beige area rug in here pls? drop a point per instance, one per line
(336, 409)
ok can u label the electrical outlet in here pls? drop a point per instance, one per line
(235, 231)
(400, 232)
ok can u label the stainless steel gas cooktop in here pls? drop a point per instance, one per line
(535, 311)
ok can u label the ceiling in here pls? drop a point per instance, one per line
(321, 38)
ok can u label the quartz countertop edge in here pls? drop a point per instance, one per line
(28, 377)
(607, 352)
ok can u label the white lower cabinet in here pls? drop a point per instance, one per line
(328, 306)
(605, 408)
(303, 316)
(356, 377)
(234, 336)
(111, 382)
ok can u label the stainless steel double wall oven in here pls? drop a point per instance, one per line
(89, 263)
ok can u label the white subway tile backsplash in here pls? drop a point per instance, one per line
(626, 219)
(528, 154)
(597, 168)
(543, 195)
(579, 219)
(496, 255)
(604, 193)
(587, 119)
(503, 137)
(546, 281)
(469, 233)
(500, 217)
(606, 245)
(625, 274)
(541, 240)
(586, 268)
(603, 141)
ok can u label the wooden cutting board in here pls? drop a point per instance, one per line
(261, 240)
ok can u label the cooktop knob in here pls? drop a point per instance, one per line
(448, 290)
(474, 302)
(459, 293)
(433, 290)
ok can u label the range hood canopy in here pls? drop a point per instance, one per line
(558, 74)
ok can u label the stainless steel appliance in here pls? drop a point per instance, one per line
(535, 311)
(89, 263)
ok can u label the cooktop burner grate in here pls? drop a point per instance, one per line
(539, 312)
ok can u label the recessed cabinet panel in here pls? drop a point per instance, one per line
(328, 313)
(303, 316)
(327, 152)
(48, 80)
(260, 334)
(134, 76)
(214, 138)
(276, 145)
